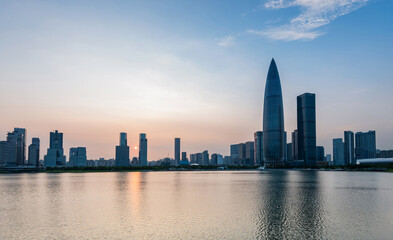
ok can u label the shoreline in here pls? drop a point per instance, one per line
(384, 168)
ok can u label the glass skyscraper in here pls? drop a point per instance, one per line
(338, 152)
(258, 148)
(55, 155)
(349, 149)
(177, 151)
(365, 145)
(142, 149)
(306, 127)
(274, 140)
(122, 152)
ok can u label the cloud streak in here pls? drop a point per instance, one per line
(228, 41)
(315, 14)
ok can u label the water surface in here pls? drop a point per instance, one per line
(197, 205)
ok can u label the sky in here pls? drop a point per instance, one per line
(191, 69)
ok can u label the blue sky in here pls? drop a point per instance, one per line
(191, 69)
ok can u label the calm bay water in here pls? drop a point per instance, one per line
(197, 205)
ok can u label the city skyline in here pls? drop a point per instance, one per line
(91, 90)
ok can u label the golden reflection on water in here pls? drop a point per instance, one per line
(197, 205)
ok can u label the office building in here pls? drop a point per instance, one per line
(227, 161)
(55, 154)
(234, 150)
(8, 153)
(250, 154)
(273, 120)
(184, 156)
(199, 158)
(320, 153)
(365, 145)
(143, 149)
(122, 158)
(123, 139)
(338, 152)
(289, 152)
(177, 151)
(258, 148)
(385, 154)
(78, 157)
(18, 136)
(34, 152)
(295, 145)
(214, 159)
(349, 148)
(184, 159)
(205, 158)
(193, 158)
(220, 159)
(306, 127)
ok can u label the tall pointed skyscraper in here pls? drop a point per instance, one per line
(274, 140)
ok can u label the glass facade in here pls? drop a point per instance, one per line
(306, 126)
(274, 140)
(258, 148)
(349, 149)
(365, 145)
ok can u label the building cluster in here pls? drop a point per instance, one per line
(361, 145)
(122, 158)
(269, 147)
(13, 152)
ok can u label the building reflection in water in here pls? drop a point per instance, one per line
(309, 206)
(289, 206)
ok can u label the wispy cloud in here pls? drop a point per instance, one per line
(315, 14)
(227, 41)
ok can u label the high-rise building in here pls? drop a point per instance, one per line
(220, 159)
(320, 153)
(199, 158)
(295, 145)
(7, 153)
(193, 158)
(34, 152)
(246, 154)
(123, 139)
(306, 127)
(338, 152)
(78, 157)
(289, 152)
(18, 136)
(205, 158)
(55, 155)
(234, 153)
(258, 148)
(214, 159)
(177, 151)
(242, 154)
(365, 145)
(122, 152)
(349, 148)
(250, 153)
(227, 160)
(184, 156)
(273, 120)
(143, 149)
